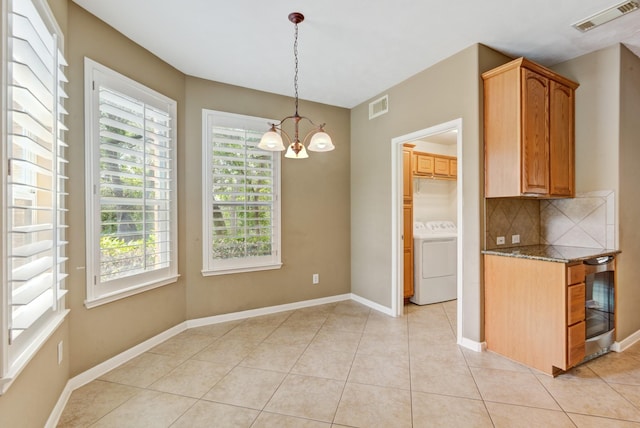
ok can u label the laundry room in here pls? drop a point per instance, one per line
(434, 218)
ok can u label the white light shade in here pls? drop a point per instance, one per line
(321, 142)
(302, 154)
(271, 141)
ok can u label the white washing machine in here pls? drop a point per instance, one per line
(435, 262)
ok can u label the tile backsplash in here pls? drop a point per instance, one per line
(587, 220)
(512, 216)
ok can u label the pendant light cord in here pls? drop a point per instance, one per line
(295, 56)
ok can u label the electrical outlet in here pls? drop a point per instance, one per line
(500, 240)
(515, 239)
(316, 278)
(60, 352)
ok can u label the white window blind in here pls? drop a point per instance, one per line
(241, 189)
(132, 194)
(34, 182)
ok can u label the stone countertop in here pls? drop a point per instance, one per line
(552, 253)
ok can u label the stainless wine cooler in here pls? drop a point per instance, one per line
(599, 306)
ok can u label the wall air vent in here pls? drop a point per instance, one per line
(378, 107)
(607, 15)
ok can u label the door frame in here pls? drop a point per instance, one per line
(397, 262)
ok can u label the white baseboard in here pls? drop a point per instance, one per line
(373, 305)
(472, 344)
(626, 342)
(54, 417)
(216, 319)
(103, 368)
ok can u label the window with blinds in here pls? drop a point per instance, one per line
(34, 182)
(131, 199)
(241, 193)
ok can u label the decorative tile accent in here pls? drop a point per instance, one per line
(588, 220)
(511, 216)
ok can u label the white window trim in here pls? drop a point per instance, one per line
(13, 361)
(134, 284)
(208, 264)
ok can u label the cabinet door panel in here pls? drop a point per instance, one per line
(407, 173)
(561, 140)
(408, 273)
(535, 133)
(407, 220)
(441, 166)
(576, 336)
(408, 249)
(424, 164)
(453, 167)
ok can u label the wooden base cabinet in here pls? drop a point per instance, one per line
(534, 312)
(529, 131)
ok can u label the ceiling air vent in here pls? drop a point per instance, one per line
(607, 15)
(378, 107)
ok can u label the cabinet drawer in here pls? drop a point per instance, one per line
(575, 303)
(575, 274)
(575, 343)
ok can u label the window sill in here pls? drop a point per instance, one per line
(31, 351)
(210, 272)
(128, 292)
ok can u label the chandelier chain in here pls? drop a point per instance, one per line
(295, 56)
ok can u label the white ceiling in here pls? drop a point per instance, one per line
(351, 50)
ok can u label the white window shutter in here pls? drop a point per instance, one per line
(34, 186)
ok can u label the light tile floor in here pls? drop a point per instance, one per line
(344, 365)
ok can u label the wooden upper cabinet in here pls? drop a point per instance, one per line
(441, 166)
(561, 140)
(529, 131)
(535, 133)
(407, 173)
(434, 165)
(453, 167)
(424, 164)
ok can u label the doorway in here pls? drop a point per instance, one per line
(397, 289)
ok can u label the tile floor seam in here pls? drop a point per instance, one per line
(344, 386)
(406, 316)
(475, 382)
(551, 395)
(621, 395)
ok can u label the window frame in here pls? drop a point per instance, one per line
(17, 350)
(99, 293)
(211, 266)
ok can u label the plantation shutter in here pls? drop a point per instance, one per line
(241, 188)
(135, 186)
(243, 195)
(35, 183)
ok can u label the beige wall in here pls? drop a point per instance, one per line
(597, 117)
(315, 208)
(607, 153)
(628, 318)
(102, 332)
(449, 90)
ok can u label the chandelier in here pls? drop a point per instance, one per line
(319, 141)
